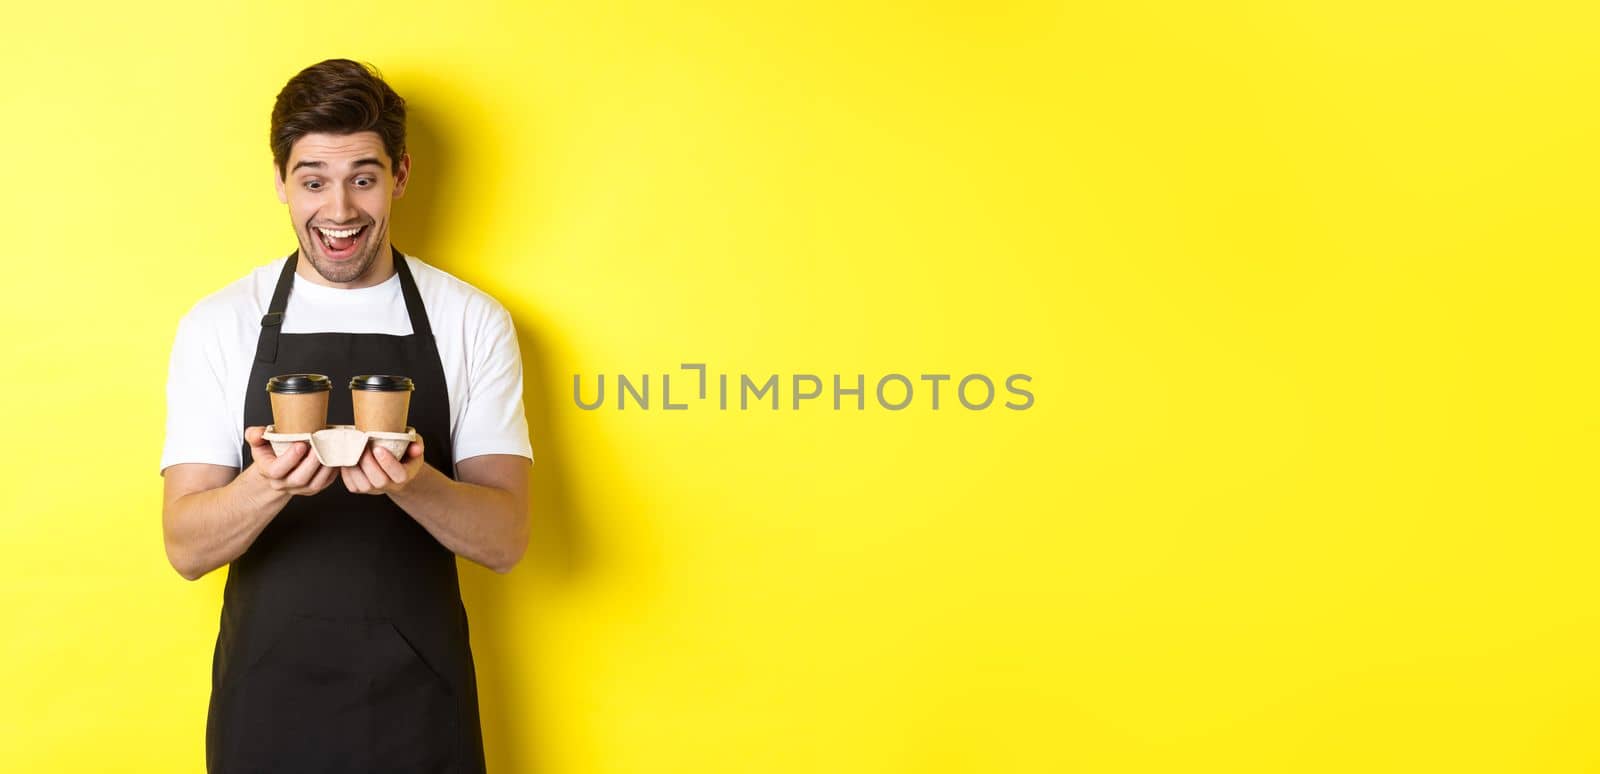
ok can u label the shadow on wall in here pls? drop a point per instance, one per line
(417, 214)
(502, 610)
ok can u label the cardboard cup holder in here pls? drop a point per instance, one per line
(340, 446)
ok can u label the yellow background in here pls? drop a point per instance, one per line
(1307, 291)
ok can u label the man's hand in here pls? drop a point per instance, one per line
(296, 472)
(379, 472)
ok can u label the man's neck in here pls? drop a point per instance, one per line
(381, 269)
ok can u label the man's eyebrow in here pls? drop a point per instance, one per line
(370, 160)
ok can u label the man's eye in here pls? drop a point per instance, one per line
(365, 182)
(313, 185)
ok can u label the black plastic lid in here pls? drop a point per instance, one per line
(289, 384)
(381, 383)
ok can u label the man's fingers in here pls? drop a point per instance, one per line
(301, 476)
(390, 465)
(260, 450)
(323, 478)
(374, 472)
(285, 463)
(355, 480)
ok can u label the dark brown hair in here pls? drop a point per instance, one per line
(338, 96)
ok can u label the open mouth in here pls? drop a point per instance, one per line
(340, 243)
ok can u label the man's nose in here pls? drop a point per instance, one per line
(340, 208)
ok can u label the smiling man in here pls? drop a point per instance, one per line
(345, 245)
(343, 643)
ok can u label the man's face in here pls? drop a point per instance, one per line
(341, 183)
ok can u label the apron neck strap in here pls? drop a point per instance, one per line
(413, 298)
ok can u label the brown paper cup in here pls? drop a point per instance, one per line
(305, 412)
(381, 412)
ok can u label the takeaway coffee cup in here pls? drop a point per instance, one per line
(299, 402)
(381, 402)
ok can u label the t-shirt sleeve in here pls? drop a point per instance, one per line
(199, 426)
(492, 420)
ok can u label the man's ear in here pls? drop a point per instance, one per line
(402, 175)
(277, 180)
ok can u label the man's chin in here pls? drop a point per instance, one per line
(340, 271)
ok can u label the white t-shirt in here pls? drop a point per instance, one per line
(216, 346)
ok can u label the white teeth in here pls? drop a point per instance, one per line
(340, 234)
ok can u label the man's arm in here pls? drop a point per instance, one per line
(482, 516)
(212, 513)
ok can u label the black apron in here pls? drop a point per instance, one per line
(343, 644)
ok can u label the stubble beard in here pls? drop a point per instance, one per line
(348, 270)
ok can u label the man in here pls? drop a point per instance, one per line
(343, 643)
